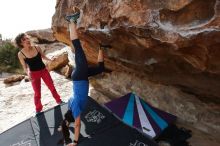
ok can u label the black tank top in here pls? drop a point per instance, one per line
(35, 63)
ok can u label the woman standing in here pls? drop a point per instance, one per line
(31, 60)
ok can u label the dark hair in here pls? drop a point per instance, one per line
(18, 40)
(65, 129)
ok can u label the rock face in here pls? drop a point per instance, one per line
(172, 42)
(42, 36)
(45, 39)
(58, 62)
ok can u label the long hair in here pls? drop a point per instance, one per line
(68, 118)
(18, 40)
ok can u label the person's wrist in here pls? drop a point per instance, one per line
(75, 141)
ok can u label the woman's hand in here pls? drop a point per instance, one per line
(72, 144)
(29, 75)
(26, 79)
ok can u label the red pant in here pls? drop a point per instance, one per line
(36, 84)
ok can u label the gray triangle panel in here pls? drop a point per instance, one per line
(20, 135)
(45, 126)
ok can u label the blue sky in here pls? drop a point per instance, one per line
(18, 16)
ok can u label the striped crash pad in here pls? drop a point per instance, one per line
(137, 113)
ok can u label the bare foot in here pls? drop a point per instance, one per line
(76, 9)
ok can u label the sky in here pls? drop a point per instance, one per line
(17, 16)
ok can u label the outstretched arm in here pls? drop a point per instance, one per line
(77, 126)
(42, 54)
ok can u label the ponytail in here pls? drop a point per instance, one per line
(65, 127)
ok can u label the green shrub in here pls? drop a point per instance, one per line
(9, 61)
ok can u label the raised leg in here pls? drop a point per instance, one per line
(81, 68)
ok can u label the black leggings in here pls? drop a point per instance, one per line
(82, 71)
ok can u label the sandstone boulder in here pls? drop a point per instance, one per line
(13, 78)
(172, 42)
(58, 62)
